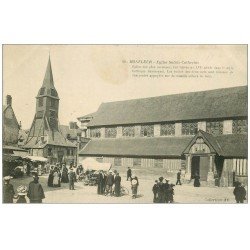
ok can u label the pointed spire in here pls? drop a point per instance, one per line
(48, 78)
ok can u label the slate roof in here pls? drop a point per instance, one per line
(218, 103)
(234, 145)
(54, 138)
(160, 146)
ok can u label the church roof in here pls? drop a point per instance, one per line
(233, 145)
(212, 104)
(48, 81)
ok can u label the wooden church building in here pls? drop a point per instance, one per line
(45, 137)
(200, 132)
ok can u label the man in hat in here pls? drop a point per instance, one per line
(129, 173)
(178, 178)
(109, 183)
(8, 190)
(35, 191)
(100, 183)
(166, 191)
(117, 184)
(72, 178)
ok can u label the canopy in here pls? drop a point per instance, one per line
(37, 158)
(92, 164)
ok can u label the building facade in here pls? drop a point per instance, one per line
(199, 132)
(45, 137)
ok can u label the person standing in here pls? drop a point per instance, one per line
(28, 168)
(166, 191)
(56, 179)
(65, 178)
(100, 183)
(171, 193)
(239, 193)
(8, 190)
(117, 185)
(197, 180)
(72, 177)
(155, 191)
(35, 191)
(178, 178)
(50, 178)
(134, 186)
(109, 183)
(129, 174)
(161, 192)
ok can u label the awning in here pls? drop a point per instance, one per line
(37, 158)
(92, 164)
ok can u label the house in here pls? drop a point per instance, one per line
(10, 124)
(45, 137)
(12, 154)
(201, 133)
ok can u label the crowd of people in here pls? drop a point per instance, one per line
(61, 174)
(108, 184)
(163, 191)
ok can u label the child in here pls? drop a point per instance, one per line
(21, 192)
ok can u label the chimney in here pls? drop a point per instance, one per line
(9, 100)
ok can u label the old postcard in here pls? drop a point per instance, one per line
(125, 124)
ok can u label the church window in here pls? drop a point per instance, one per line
(95, 132)
(215, 127)
(147, 130)
(40, 102)
(189, 128)
(239, 126)
(167, 129)
(110, 132)
(128, 131)
(42, 91)
(52, 103)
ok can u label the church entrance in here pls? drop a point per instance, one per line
(200, 166)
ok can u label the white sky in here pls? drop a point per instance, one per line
(85, 75)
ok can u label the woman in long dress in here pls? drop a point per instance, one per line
(56, 179)
(134, 186)
(50, 178)
(65, 178)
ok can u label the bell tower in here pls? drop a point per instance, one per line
(47, 101)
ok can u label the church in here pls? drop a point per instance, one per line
(202, 133)
(45, 137)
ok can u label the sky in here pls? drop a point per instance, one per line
(87, 75)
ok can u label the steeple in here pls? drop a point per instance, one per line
(48, 81)
(48, 88)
